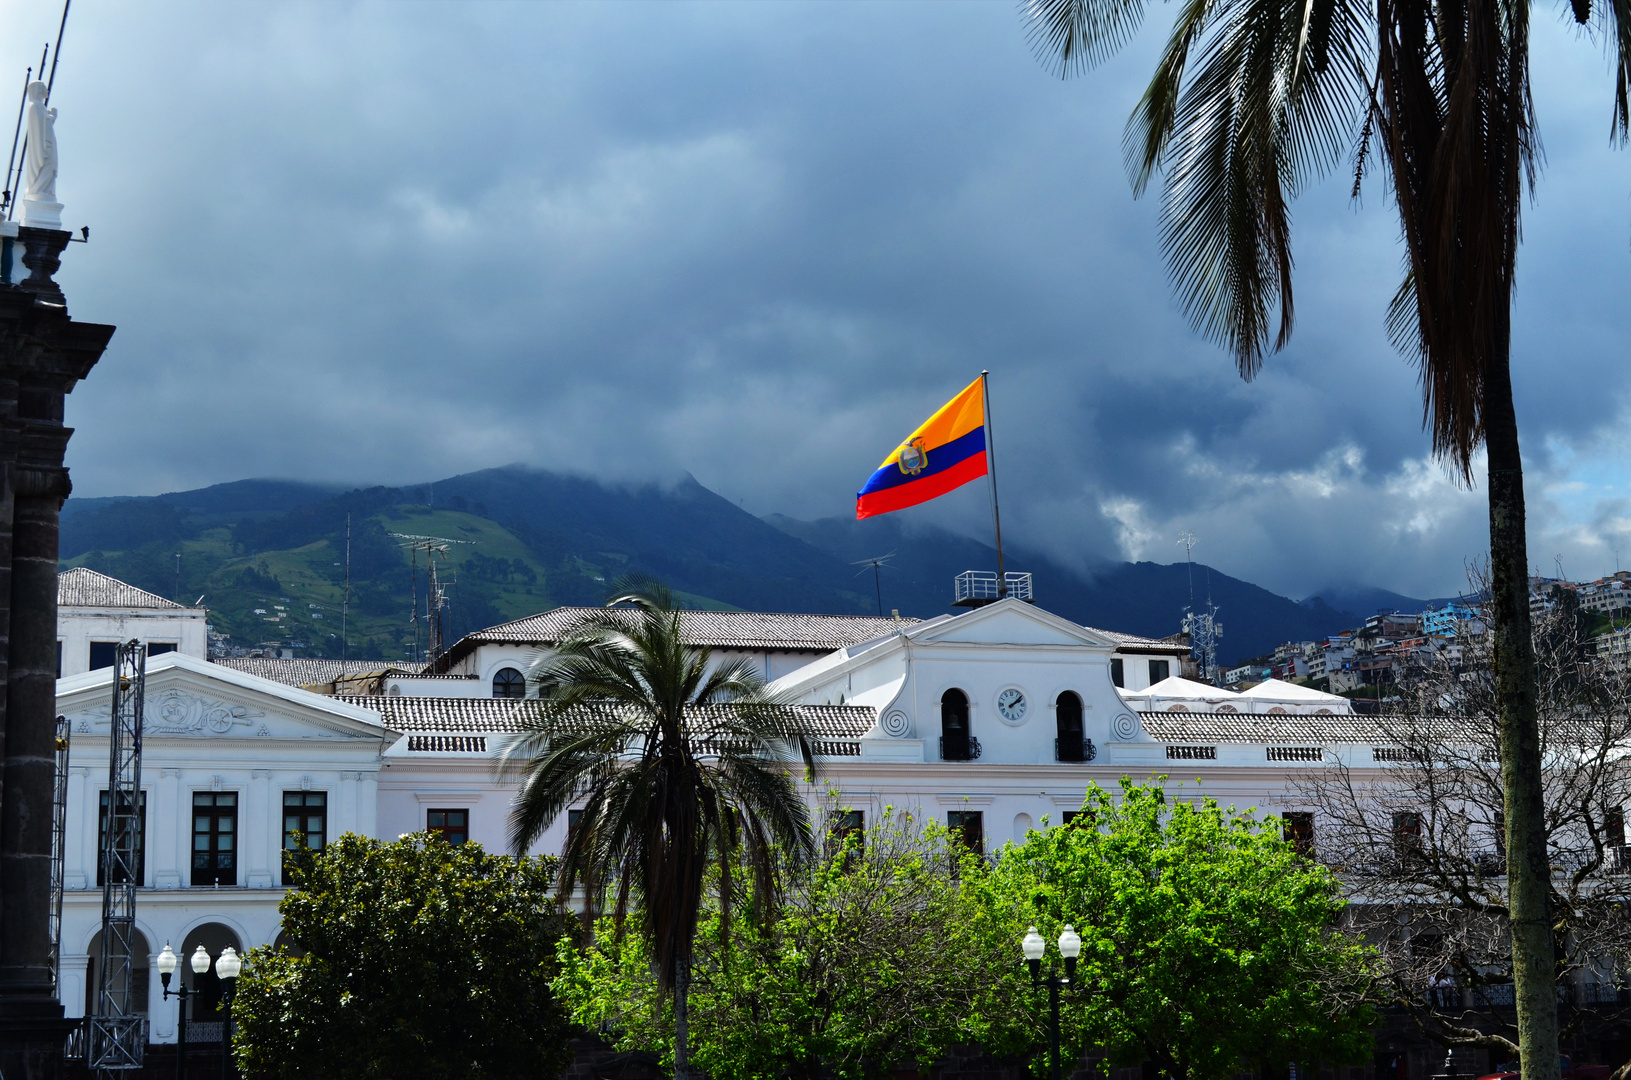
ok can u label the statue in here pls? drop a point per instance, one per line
(40, 207)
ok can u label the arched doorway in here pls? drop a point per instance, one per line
(204, 1017)
(1068, 745)
(139, 976)
(956, 743)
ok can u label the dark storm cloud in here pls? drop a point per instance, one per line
(758, 243)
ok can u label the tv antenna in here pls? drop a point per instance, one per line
(434, 547)
(877, 562)
(1203, 627)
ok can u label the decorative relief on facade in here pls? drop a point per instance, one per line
(1125, 726)
(173, 711)
(896, 724)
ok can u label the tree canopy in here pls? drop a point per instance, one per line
(412, 958)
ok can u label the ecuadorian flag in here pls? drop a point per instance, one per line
(945, 452)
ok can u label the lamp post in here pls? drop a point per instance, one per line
(1070, 947)
(200, 963)
(227, 966)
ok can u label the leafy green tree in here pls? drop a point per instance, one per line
(1250, 102)
(1207, 942)
(869, 966)
(413, 959)
(679, 763)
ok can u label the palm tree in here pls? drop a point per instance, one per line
(679, 764)
(1280, 91)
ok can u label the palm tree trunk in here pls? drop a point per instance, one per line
(682, 1021)
(1528, 868)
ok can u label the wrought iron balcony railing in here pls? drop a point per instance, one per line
(959, 748)
(1074, 749)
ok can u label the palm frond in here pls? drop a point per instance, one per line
(1069, 36)
(677, 762)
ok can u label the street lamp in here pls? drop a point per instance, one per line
(227, 966)
(1070, 947)
(200, 963)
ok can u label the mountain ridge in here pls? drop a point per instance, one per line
(269, 557)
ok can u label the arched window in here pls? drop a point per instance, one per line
(956, 744)
(509, 683)
(1068, 745)
(1227, 708)
(1176, 708)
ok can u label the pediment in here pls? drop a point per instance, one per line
(1010, 622)
(189, 698)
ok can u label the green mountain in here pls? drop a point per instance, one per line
(268, 559)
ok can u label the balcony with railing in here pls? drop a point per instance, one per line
(959, 748)
(1074, 749)
(976, 588)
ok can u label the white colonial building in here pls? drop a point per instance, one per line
(994, 721)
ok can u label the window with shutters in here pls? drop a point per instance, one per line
(215, 838)
(452, 825)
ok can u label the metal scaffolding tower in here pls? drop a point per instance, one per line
(59, 839)
(117, 1032)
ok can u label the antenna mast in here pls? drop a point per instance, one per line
(1203, 627)
(345, 597)
(435, 593)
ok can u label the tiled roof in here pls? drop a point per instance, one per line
(834, 725)
(302, 672)
(80, 587)
(749, 630)
(1275, 729)
(1133, 641)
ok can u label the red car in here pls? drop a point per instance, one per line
(1571, 1071)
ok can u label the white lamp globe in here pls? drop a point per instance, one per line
(167, 960)
(1070, 943)
(1033, 945)
(228, 965)
(200, 961)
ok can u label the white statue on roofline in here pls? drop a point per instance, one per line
(40, 207)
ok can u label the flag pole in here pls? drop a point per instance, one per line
(991, 473)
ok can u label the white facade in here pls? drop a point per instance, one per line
(391, 763)
(96, 612)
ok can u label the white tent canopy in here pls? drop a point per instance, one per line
(1176, 689)
(1277, 690)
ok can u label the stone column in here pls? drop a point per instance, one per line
(164, 857)
(348, 805)
(258, 830)
(367, 823)
(43, 353)
(80, 855)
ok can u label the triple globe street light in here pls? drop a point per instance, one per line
(227, 968)
(1070, 947)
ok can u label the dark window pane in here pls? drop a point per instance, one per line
(103, 654)
(954, 733)
(509, 683)
(1299, 831)
(1116, 672)
(1158, 671)
(158, 648)
(1069, 745)
(215, 822)
(1614, 825)
(451, 825)
(968, 826)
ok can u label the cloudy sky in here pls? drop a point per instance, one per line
(759, 243)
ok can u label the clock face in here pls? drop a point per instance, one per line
(1011, 704)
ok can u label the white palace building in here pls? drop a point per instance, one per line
(994, 720)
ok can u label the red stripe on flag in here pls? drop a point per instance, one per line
(919, 491)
